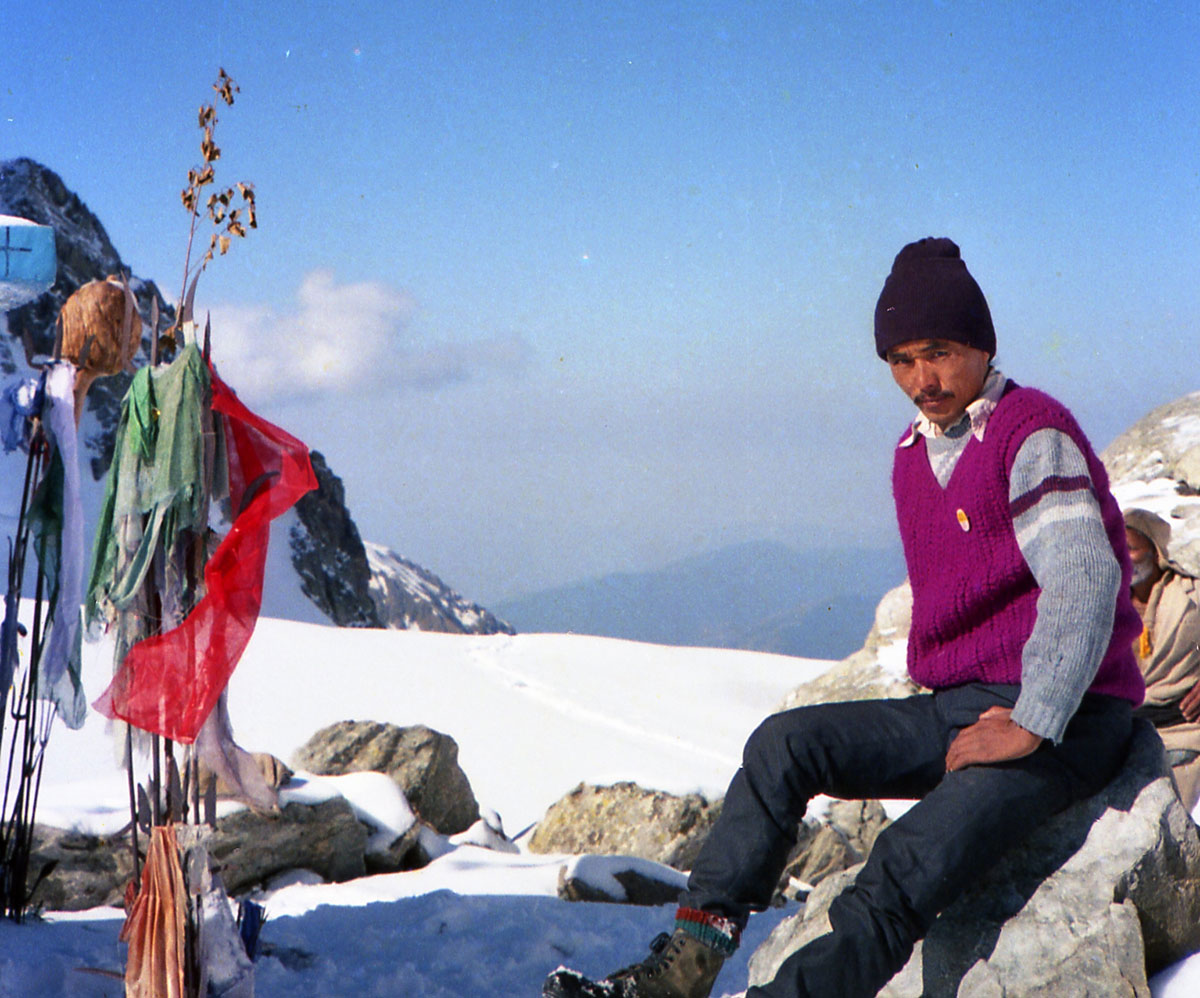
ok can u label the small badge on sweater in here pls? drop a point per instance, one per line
(963, 520)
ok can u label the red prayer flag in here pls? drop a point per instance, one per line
(170, 683)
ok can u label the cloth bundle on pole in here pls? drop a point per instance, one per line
(156, 926)
(154, 517)
(185, 608)
(100, 330)
(169, 683)
(56, 514)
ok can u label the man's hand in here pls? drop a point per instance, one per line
(1189, 706)
(994, 738)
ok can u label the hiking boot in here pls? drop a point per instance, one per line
(679, 966)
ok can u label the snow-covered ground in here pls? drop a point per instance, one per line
(533, 716)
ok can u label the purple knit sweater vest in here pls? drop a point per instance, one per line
(974, 598)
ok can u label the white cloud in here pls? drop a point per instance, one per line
(342, 337)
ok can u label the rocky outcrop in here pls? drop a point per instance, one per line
(826, 847)
(422, 761)
(408, 596)
(627, 820)
(1155, 464)
(1101, 896)
(877, 670)
(328, 553)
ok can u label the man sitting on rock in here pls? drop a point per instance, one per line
(1168, 649)
(1022, 629)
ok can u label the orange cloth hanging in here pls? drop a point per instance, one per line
(156, 926)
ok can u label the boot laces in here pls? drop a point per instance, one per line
(659, 959)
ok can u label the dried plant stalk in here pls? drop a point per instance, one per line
(230, 212)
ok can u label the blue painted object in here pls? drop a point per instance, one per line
(27, 261)
(250, 920)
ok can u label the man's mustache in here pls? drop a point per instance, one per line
(922, 397)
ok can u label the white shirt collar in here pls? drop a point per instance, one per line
(977, 412)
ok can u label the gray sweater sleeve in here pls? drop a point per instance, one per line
(1061, 534)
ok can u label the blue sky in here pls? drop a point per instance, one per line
(561, 289)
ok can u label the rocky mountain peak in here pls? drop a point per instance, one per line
(328, 553)
(30, 190)
(85, 253)
(406, 595)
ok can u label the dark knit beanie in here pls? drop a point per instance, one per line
(929, 295)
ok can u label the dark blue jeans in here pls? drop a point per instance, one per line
(962, 823)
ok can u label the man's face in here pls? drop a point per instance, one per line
(940, 376)
(1143, 556)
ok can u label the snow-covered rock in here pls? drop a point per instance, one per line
(619, 880)
(249, 848)
(1155, 464)
(423, 762)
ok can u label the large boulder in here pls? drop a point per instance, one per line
(627, 820)
(82, 871)
(1101, 896)
(249, 848)
(422, 761)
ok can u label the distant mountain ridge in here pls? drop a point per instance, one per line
(759, 596)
